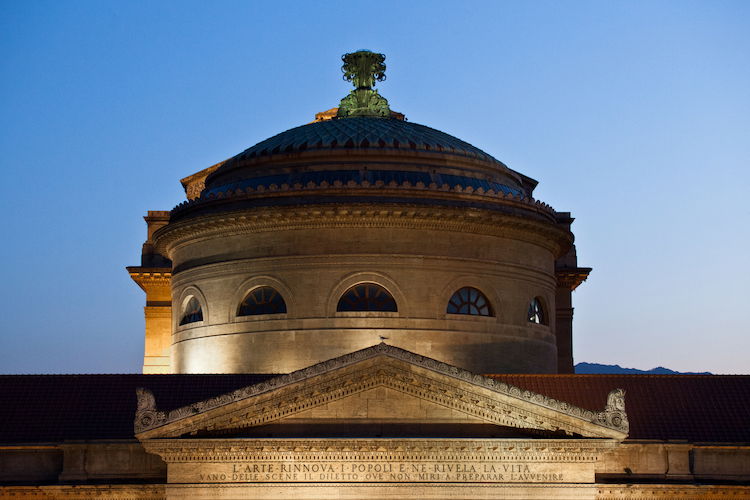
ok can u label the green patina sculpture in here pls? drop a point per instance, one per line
(363, 68)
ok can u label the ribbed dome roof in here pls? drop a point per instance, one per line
(399, 153)
(362, 132)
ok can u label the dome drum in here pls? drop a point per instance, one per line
(420, 268)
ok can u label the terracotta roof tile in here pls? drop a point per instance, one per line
(50, 408)
(53, 408)
(695, 408)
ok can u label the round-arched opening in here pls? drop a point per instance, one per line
(469, 300)
(192, 312)
(367, 297)
(536, 312)
(262, 300)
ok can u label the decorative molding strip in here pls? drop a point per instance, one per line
(147, 277)
(423, 450)
(378, 187)
(669, 492)
(369, 215)
(571, 277)
(87, 492)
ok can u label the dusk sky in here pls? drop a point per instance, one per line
(632, 115)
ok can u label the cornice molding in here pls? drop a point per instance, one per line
(427, 450)
(362, 215)
(571, 277)
(365, 188)
(150, 277)
(663, 492)
(86, 491)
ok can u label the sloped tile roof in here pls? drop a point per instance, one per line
(695, 408)
(53, 408)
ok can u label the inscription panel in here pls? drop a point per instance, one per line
(434, 472)
(392, 461)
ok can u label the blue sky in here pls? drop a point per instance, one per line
(634, 116)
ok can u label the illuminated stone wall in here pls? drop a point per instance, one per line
(420, 260)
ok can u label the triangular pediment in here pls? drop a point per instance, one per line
(381, 384)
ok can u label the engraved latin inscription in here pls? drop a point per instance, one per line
(380, 471)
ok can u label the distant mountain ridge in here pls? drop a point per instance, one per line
(617, 369)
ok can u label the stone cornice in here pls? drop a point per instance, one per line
(364, 215)
(150, 277)
(511, 406)
(87, 491)
(571, 277)
(365, 188)
(668, 491)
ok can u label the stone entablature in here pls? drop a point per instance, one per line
(220, 461)
(365, 215)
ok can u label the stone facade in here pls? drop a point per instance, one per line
(385, 400)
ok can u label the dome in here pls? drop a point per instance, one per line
(365, 132)
(365, 227)
(294, 157)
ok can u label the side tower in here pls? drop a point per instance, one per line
(153, 276)
(362, 228)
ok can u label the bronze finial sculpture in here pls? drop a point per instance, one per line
(363, 68)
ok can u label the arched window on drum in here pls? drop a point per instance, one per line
(367, 297)
(469, 300)
(191, 312)
(536, 312)
(262, 300)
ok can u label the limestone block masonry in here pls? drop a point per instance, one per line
(420, 259)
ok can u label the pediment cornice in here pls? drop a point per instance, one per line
(382, 365)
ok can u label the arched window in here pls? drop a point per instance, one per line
(262, 300)
(536, 312)
(192, 312)
(367, 297)
(468, 300)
